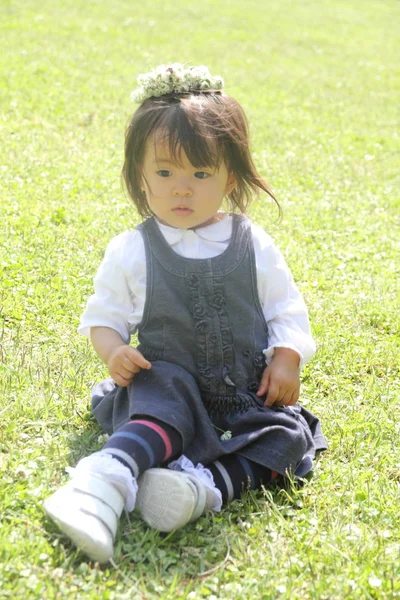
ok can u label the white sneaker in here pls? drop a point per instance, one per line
(87, 511)
(168, 500)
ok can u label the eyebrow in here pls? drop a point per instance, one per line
(166, 161)
(157, 161)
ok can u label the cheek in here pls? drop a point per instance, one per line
(157, 186)
(218, 190)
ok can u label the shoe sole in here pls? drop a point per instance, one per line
(166, 500)
(85, 531)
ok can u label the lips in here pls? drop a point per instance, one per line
(182, 211)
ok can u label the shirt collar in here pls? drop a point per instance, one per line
(220, 231)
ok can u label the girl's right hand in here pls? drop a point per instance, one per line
(124, 363)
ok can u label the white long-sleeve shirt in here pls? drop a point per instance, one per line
(120, 284)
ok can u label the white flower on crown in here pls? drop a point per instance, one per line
(174, 78)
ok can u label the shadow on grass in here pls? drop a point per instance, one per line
(211, 543)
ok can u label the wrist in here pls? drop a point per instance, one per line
(106, 341)
(287, 355)
(112, 352)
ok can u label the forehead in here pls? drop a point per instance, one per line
(182, 148)
(158, 148)
(159, 151)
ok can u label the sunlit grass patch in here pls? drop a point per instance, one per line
(320, 83)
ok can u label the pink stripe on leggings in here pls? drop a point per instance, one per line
(163, 435)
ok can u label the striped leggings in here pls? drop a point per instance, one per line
(146, 442)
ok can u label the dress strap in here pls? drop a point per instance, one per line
(219, 265)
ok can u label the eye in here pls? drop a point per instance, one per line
(164, 173)
(201, 175)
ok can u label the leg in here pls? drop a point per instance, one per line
(143, 443)
(169, 499)
(87, 508)
(233, 474)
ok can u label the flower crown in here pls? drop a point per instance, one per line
(175, 79)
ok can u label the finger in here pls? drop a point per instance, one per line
(122, 381)
(138, 359)
(272, 395)
(295, 397)
(285, 398)
(264, 383)
(125, 373)
(129, 365)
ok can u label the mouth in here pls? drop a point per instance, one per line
(182, 211)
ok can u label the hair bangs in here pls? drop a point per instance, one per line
(179, 130)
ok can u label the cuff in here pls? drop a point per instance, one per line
(269, 353)
(199, 472)
(102, 463)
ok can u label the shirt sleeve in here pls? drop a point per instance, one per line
(283, 305)
(119, 288)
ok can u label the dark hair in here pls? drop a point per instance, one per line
(210, 127)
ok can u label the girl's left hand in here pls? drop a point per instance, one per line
(281, 379)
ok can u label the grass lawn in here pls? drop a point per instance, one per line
(320, 81)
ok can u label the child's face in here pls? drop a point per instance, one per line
(182, 196)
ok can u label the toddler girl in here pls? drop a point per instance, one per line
(222, 328)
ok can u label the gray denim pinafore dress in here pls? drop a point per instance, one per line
(204, 331)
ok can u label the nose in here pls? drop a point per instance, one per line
(182, 189)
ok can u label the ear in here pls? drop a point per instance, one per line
(231, 184)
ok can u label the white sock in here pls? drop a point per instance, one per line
(102, 463)
(214, 496)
